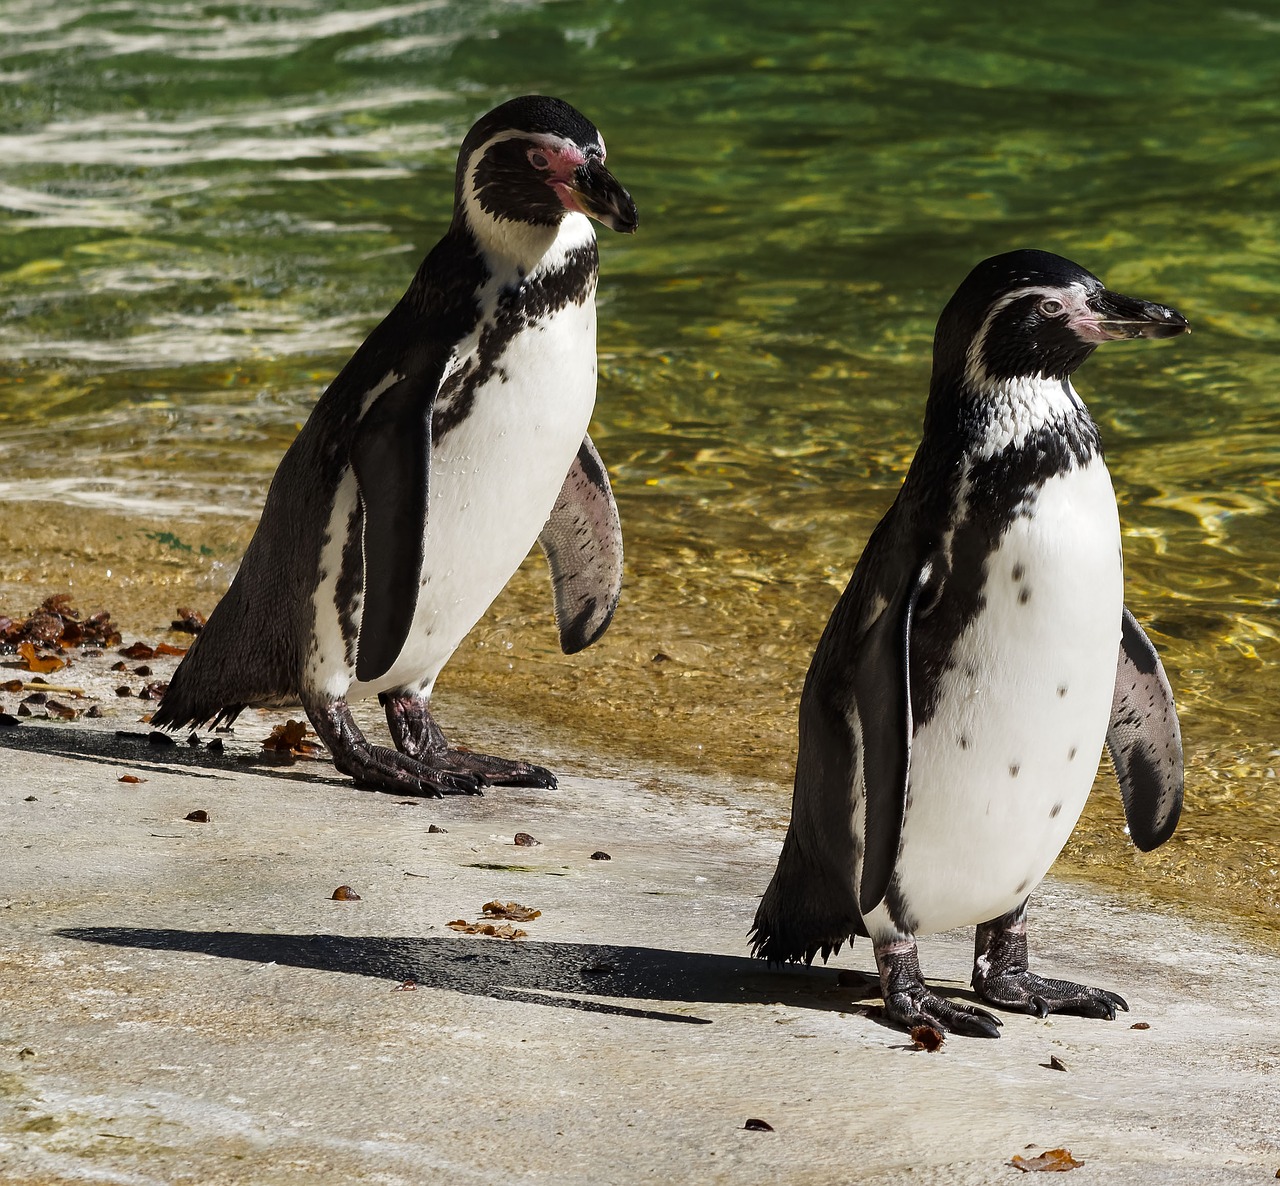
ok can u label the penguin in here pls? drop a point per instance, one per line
(454, 438)
(957, 704)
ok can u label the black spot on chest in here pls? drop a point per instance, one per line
(519, 307)
(976, 501)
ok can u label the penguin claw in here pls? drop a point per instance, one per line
(1028, 993)
(922, 1006)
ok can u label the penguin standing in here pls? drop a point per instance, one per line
(958, 701)
(454, 438)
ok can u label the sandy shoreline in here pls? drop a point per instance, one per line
(184, 1003)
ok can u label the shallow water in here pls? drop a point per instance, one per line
(207, 205)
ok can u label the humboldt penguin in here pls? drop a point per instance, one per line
(959, 699)
(454, 438)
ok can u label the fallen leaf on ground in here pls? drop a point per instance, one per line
(199, 816)
(11, 685)
(754, 1124)
(131, 778)
(188, 621)
(1055, 1063)
(154, 690)
(506, 931)
(406, 986)
(437, 829)
(524, 840)
(165, 649)
(57, 622)
(927, 1037)
(291, 738)
(1051, 1161)
(34, 662)
(138, 650)
(344, 893)
(63, 711)
(510, 910)
(601, 856)
(1146, 1025)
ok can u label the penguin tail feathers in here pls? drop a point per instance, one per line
(802, 914)
(194, 698)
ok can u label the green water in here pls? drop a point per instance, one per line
(206, 206)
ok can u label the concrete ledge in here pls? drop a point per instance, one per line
(183, 1002)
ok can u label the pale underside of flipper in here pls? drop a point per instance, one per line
(582, 541)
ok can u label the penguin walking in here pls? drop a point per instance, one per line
(959, 699)
(454, 438)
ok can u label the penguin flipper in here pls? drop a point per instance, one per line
(391, 458)
(582, 541)
(1145, 740)
(882, 699)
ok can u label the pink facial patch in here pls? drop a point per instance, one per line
(559, 160)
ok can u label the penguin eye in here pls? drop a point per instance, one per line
(1050, 307)
(538, 159)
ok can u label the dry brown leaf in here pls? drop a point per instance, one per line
(138, 650)
(1051, 1161)
(524, 840)
(927, 1037)
(199, 816)
(291, 738)
(131, 778)
(34, 662)
(189, 621)
(165, 649)
(63, 711)
(344, 893)
(510, 910)
(506, 931)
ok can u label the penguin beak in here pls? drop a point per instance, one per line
(596, 192)
(1109, 316)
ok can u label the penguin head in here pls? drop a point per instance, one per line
(1032, 314)
(534, 161)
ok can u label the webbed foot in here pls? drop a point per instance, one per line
(910, 1002)
(417, 736)
(375, 767)
(1000, 976)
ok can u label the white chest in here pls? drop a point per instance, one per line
(1001, 772)
(494, 479)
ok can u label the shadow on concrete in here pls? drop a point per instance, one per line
(132, 749)
(556, 974)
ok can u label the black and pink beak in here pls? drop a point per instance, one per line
(1111, 317)
(596, 192)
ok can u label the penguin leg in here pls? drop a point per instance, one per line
(1000, 975)
(910, 1002)
(375, 767)
(416, 734)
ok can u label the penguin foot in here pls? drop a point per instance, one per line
(377, 768)
(1028, 993)
(420, 739)
(498, 772)
(1000, 976)
(910, 1002)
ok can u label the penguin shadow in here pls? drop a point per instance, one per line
(132, 749)
(588, 977)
